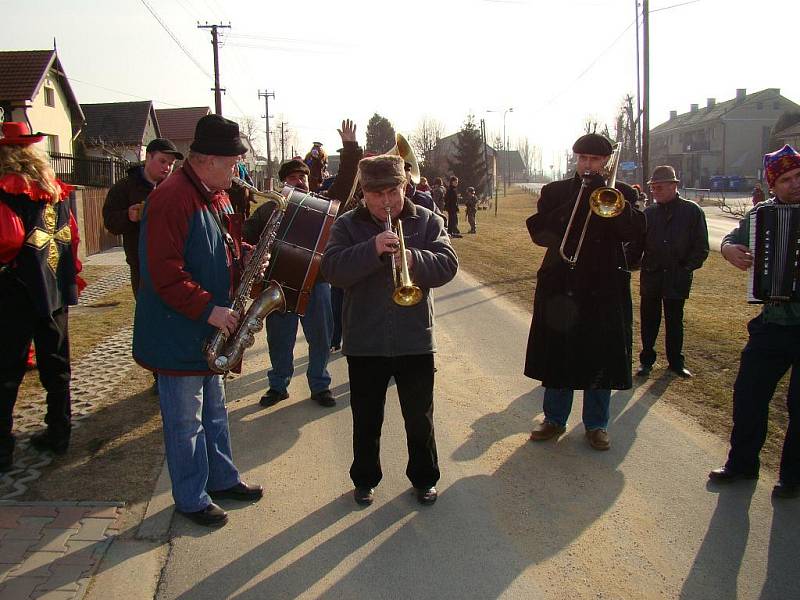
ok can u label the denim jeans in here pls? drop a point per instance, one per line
(282, 335)
(558, 405)
(196, 438)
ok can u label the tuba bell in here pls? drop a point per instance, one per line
(605, 201)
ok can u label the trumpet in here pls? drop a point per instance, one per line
(405, 292)
(605, 201)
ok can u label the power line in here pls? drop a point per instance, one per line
(175, 39)
(123, 93)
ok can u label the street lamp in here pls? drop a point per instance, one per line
(505, 148)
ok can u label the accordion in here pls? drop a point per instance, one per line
(775, 246)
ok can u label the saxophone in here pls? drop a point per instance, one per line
(222, 351)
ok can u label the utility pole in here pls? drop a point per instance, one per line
(283, 142)
(266, 96)
(638, 141)
(485, 161)
(215, 43)
(646, 91)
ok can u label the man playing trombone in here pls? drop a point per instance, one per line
(389, 334)
(581, 333)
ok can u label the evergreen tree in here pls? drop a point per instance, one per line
(380, 135)
(467, 163)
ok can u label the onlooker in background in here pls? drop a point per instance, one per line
(416, 195)
(122, 209)
(772, 348)
(437, 193)
(39, 269)
(471, 208)
(451, 206)
(758, 195)
(423, 186)
(675, 245)
(317, 162)
(641, 202)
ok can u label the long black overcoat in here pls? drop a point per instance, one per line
(581, 334)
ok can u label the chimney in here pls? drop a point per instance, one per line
(693, 108)
(673, 114)
(740, 94)
(710, 102)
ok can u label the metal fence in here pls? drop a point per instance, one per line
(89, 171)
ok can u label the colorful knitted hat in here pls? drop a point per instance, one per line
(779, 162)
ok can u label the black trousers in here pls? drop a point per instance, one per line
(369, 379)
(769, 353)
(452, 222)
(20, 324)
(650, 318)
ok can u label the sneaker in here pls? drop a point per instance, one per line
(272, 397)
(427, 496)
(546, 430)
(324, 398)
(598, 439)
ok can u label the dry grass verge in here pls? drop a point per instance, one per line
(502, 256)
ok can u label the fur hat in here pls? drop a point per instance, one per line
(381, 172)
(292, 166)
(217, 136)
(663, 174)
(593, 143)
(779, 162)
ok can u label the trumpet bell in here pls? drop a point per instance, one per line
(607, 202)
(403, 149)
(407, 295)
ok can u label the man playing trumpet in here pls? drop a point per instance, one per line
(383, 339)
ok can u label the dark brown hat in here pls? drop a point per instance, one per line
(593, 143)
(292, 166)
(663, 174)
(381, 172)
(217, 136)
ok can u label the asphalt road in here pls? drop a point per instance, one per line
(514, 519)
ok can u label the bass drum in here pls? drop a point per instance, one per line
(299, 243)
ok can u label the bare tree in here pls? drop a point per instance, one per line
(250, 130)
(531, 156)
(424, 141)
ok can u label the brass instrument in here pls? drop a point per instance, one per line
(401, 148)
(605, 201)
(405, 292)
(222, 351)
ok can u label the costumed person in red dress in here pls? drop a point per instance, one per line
(38, 280)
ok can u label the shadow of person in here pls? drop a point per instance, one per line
(784, 540)
(716, 566)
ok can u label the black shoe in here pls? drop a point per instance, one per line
(324, 398)
(786, 490)
(46, 441)
(681, 372)
(240, 491)
(427, 495)
(726, 475)
(6, 463)
(364, 496)
(644, 371)
(211, 516)
(272, 397)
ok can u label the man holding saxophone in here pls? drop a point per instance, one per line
(581, 333)
(187, 253)
(384, 338)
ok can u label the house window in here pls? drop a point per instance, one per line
(52, 143)
(49, 96)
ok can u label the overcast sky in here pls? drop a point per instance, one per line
(555, 62)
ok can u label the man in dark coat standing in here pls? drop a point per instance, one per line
(581, 334)
(675, 245)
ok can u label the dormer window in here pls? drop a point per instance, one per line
(49, 96)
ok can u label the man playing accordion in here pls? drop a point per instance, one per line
(772, 348)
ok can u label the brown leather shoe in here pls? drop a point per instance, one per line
(546, 430)
(598, 439)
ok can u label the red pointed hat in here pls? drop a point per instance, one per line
(18, 134)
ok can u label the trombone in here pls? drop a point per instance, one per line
(605, 201)
(405, 292)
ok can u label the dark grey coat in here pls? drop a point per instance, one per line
(581, 334)
(676, 244)
(373, 325)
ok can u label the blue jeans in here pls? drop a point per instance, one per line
(558, 405)
(196, 438)
(282, 335)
